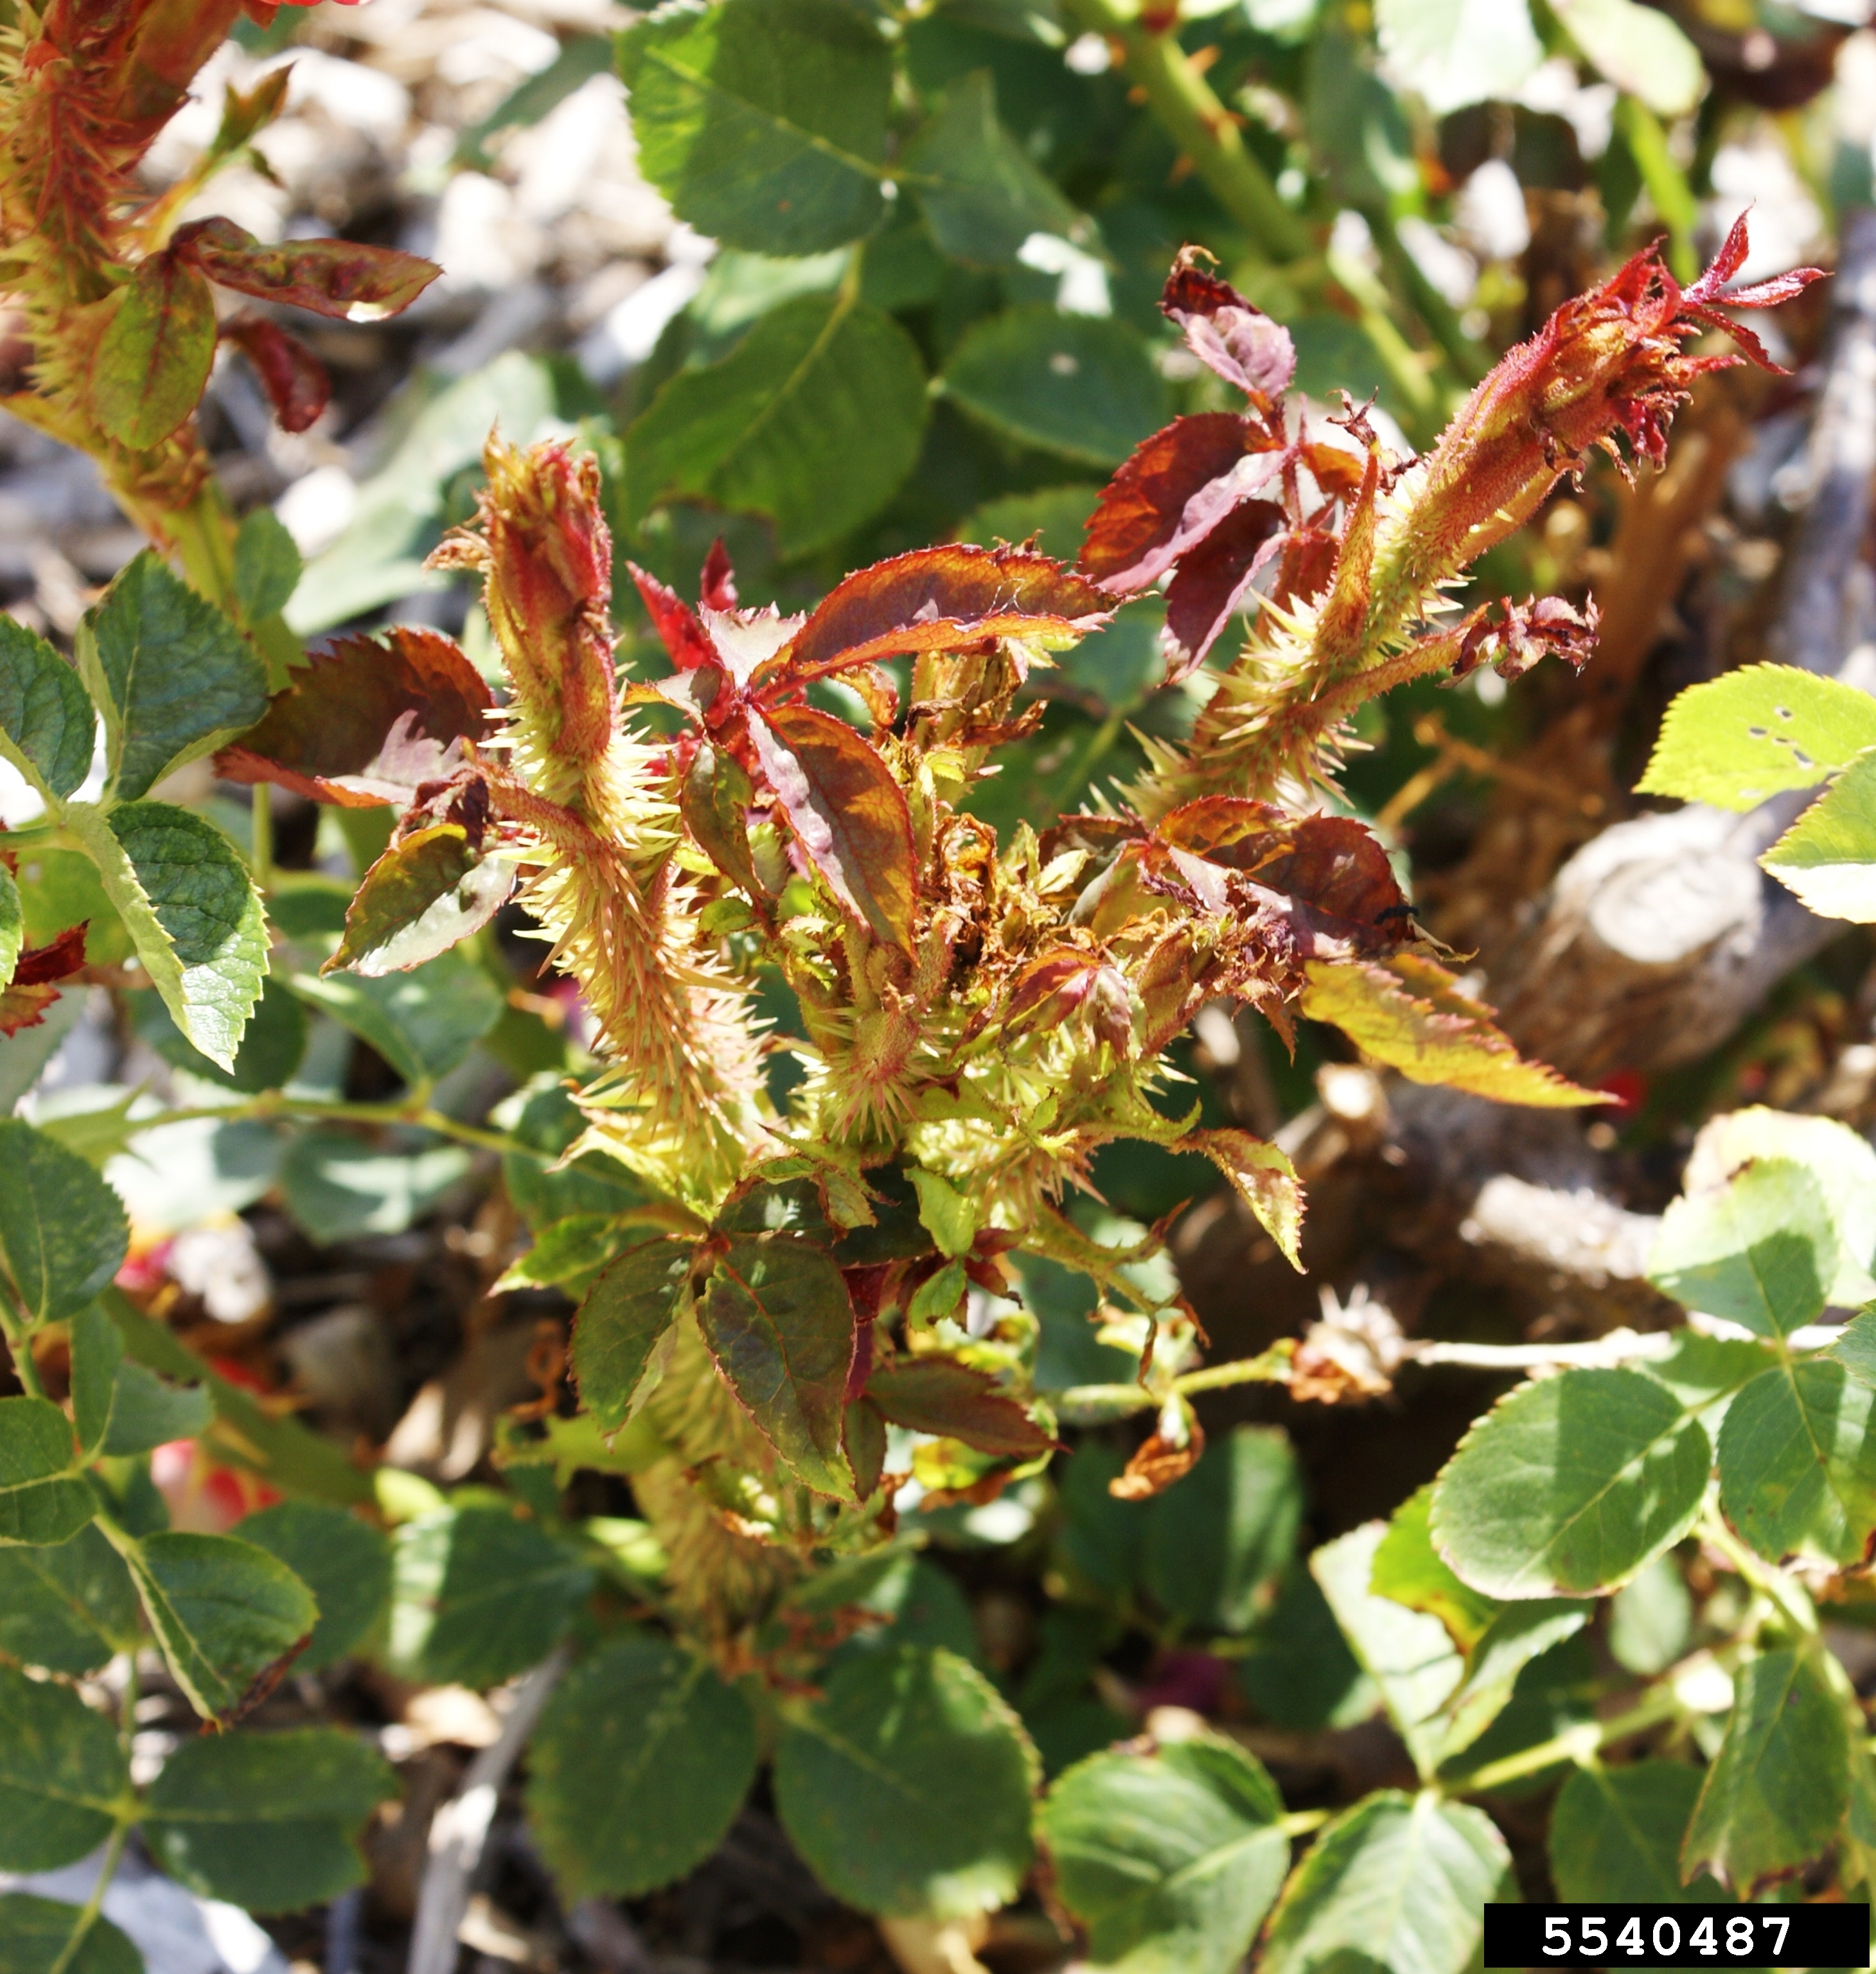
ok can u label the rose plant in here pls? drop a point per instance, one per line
(853, 1054)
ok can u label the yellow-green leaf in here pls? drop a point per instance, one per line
(1409, 1013)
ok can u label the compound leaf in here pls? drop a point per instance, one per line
(907, 1787)
(267, 1822)
(1778, 1789)
(639, 1763)
(62, 1772)
(812, 419)
(1739, 738)
(170, 673)
(1569, 1485)
(776, 1318)
(1396, 1882)
(763, 122)
(478, 1595)
(192, 911)
(1409, 1013)
(228, 1616)
(1171, 1859)
(63, 1232)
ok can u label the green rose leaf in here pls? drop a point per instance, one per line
(47, 725)
(1650, 1619)
(338, 1187)
(153, 360)
(1171, 1859)
(1615, 1835)
(478, 1595)
(1218, 1545)
(1455, 52)
(267, 1822)
(1297, 1670)
(266, 565)
(981, 195)
(44, 1498)
(35, 1932)
(68, 1608)
(343, 1561)
(1644, 53)
(147, 1412)
(63, 1233)
(763, 122)
(1409, 1570)
(627, 1313)
(1777, 1791)
(1396, 1882)
(192, 911)
(423, 1023)
(429, 890)
(1761, 1251)
(1755, 732)
(228, 1616)
(1797, 1458)
(812, 419)
(639, 1765)
(1568, 1486)
(907, 1789)
(171, 675)
(1084, 386)
(1842, 1162)
(62, 1773)
(1828, 855)
(775, 1315)
(1408, 1654)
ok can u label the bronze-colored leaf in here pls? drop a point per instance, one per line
(848, 815)
(1409, 1013)
(366, 721)
(343, 278)
(294, 380)
(938, 1394)
(941, 599)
